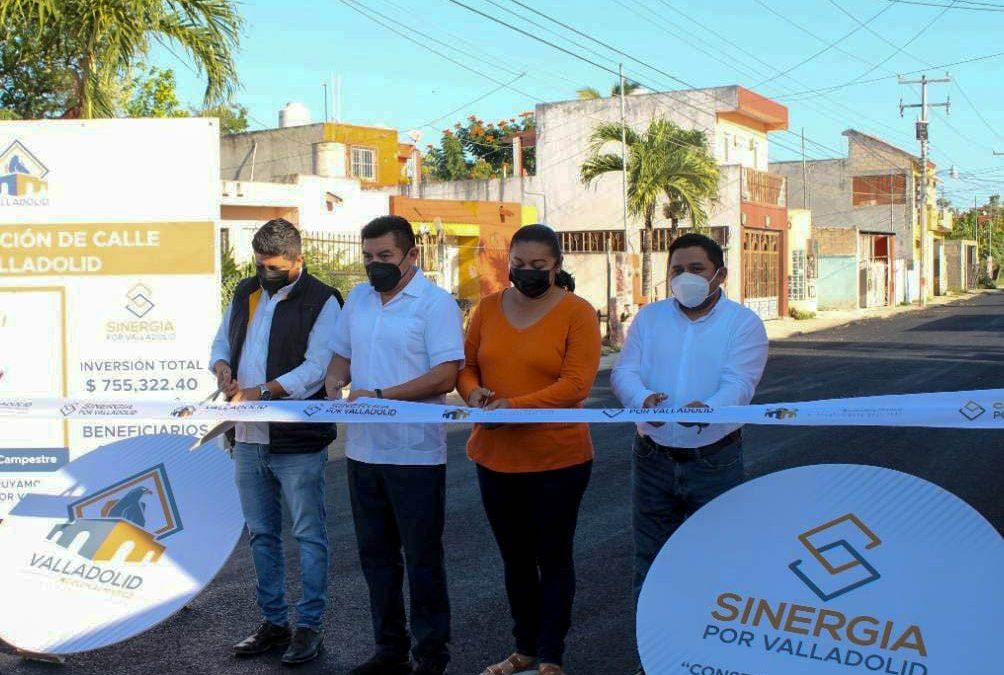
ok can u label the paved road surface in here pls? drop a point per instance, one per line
(945, 348)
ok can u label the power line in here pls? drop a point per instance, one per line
(366, 12)
(470, 103)
(826, 48)
(798, 94)
(954, 5)
(976, 109)
(906, 44)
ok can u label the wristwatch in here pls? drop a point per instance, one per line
(378, 392)
(264, 393)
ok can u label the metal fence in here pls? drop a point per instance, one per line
(335, 259)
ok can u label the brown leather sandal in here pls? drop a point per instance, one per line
(516, 663)
(550, 669)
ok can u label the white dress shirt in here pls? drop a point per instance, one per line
(717, 360)
(387, 345)
(299, 383)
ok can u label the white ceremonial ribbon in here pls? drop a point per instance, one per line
(979, 409)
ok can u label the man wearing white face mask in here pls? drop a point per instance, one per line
(697, 349)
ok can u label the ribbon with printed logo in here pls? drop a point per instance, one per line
(978, 409)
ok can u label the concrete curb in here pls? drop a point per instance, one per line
(781, 329)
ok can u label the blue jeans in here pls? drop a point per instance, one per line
(667, 492)
(264, 481)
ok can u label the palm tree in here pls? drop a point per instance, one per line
(102, 39)
(664, 162)
(591, 93)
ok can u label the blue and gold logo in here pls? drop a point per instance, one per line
(837, 565)
(130, 518)
(22, 177)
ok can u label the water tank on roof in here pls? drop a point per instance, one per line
(294, 114)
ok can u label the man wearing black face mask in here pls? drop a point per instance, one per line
(399, 337)
(275, 337)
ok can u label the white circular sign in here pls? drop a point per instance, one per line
(140, 529)
(826, 570)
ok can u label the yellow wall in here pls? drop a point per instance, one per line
(384, 141)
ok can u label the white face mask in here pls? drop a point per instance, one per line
(690, 289)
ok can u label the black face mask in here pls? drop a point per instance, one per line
(383, 276)
(272, 280)
(531, 283)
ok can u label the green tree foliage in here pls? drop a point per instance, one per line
(154, 94)
(36, 72)
(978, 225)
(666, 163)
(233, 118)
(591, 93)
(99, 40)
(447, 162)
(479, 149)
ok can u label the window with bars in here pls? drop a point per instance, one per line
(797, 286)
(592, 241)
(364, 163)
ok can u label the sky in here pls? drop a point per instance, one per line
(779, 48)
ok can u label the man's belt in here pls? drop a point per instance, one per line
(693, 454)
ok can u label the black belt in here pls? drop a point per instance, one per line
(692, 454)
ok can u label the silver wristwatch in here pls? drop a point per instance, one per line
(264, 393)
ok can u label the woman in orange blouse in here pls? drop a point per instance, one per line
(536, 345)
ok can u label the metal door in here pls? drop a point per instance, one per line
(761, 278)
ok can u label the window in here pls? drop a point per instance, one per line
(364, 163)
(879, 190)
(592, 241)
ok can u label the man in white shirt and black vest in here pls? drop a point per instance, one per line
(274, 343)
(399, 337)
(698, 349)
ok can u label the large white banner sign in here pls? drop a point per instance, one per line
(827, 570)
(108, 276)
(138, 528)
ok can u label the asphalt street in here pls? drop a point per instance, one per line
(953, 347)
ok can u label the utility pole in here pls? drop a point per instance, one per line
(805, 177)
(922, 136)
(624, 184)
(324, 85)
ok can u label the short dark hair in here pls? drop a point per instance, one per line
(542, 234)
(692, 240)
(278, 237)
(404, 235)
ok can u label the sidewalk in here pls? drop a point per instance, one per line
(778, 329)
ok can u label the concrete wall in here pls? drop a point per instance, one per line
(281, 154)
(956, 270)
(830, 192)
(247, 205)
(563, 132)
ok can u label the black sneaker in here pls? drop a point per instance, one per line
(268, 636)
(382, 664)
(306, 645)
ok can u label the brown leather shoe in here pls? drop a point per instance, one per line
(516, 663)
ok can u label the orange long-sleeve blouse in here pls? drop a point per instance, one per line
(550, 364)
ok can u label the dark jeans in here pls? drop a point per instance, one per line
(667, 492)
(533, 516)
(265, 480)
(394, 508)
